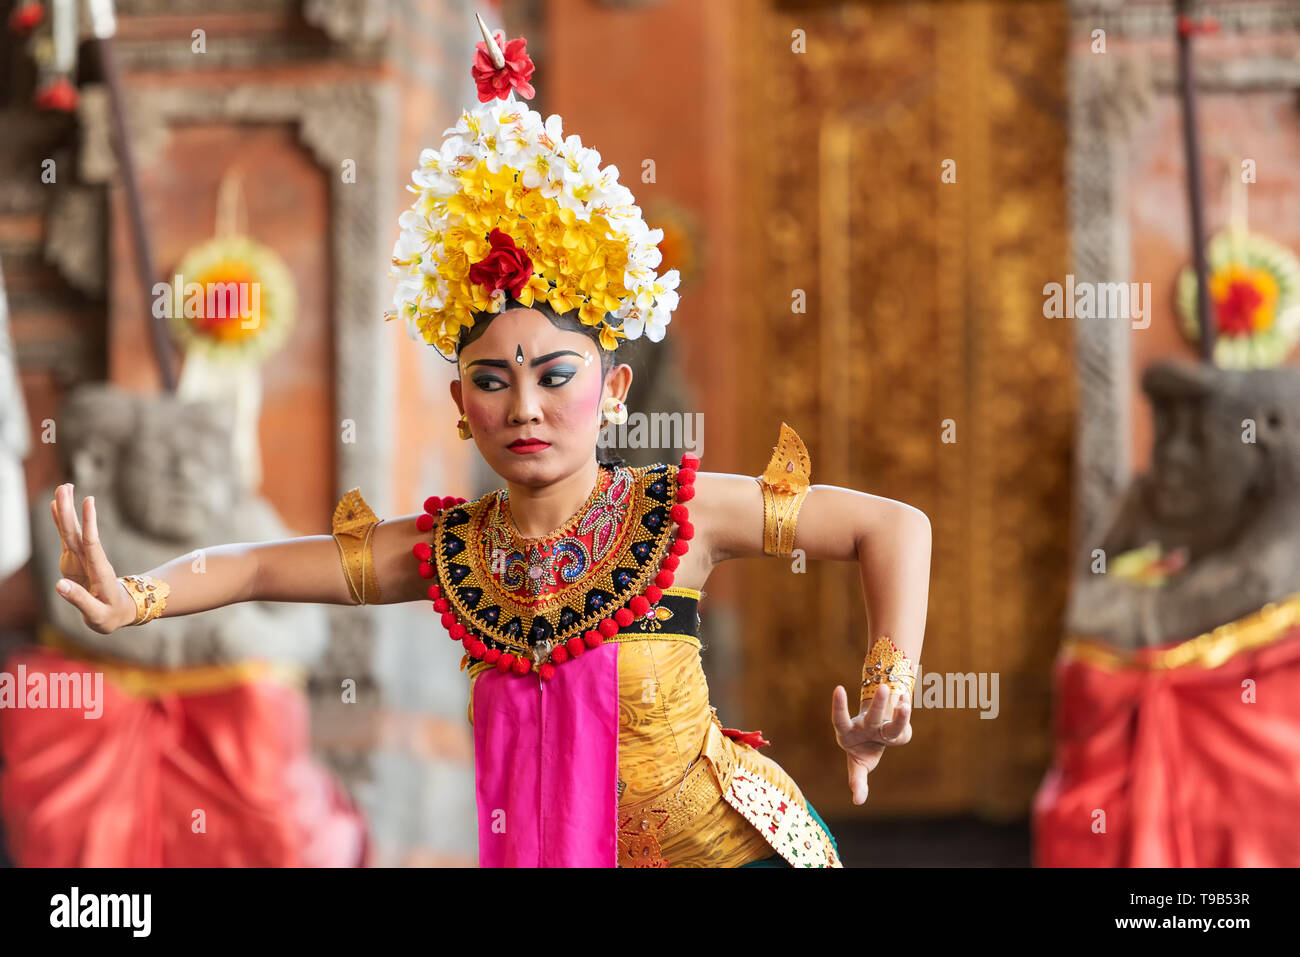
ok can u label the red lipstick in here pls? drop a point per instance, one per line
(524, 446)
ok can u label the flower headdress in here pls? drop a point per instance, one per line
(509, 206)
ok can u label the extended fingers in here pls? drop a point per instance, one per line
(899, 728)
(841, 720)
(99, 568)
(69, 527)
(857, 781)
(93, 611)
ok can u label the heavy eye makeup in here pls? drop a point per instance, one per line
(552, 378)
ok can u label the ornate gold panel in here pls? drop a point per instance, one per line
(924, 305)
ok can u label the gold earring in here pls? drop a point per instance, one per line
(462, 427)
(615, 411)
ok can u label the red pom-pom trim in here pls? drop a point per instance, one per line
(607, 627)
(671, 562)
(546, 671)
(441, 604)
(505, 662)
(685, 531)
(434, 592)
(653, 594)
(664, 579)
(561, 654)
(426, 569)
(686, 493)
(624, 617)
(678, 513)
(690, 461)
(457, 631)
(492, 655)
(679, 547)
(424, 522)
(593, 638)
(521, 666)
(432, 504)
(686, 476)
(422, 551)
(448, 619)
(479, 649)
(575, 645)
(639, 605)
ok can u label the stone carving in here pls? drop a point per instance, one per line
(349, 21)
(74, 240)
(164, 482)
(1225, 485)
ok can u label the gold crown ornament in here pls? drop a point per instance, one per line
(511, 208)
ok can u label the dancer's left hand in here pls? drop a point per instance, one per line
(886, 722)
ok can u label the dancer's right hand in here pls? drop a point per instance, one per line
(89, 582)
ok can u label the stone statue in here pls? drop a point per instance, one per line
(1224, 489)
(165, 484)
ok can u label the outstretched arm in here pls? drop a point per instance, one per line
(889, 540)
(306, 569)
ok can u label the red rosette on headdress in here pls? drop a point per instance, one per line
(505, 267)
(512, 72)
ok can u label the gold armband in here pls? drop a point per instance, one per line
(149, 595)
(354, 526)
(886, 665)
(784, 483)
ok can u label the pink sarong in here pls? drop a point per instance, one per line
(546, 765)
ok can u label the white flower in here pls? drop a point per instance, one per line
(437, 167)
(660, 292)
(582, 176)
(633, 320)
(656, 324)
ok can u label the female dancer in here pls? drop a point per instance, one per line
(574, 588)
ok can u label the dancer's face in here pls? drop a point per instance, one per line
(553, 395)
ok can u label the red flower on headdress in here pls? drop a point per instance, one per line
(505, 267)
(518, 68)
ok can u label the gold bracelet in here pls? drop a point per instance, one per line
(886, 665)
(354, 526)
(785, 483)
(149, 595)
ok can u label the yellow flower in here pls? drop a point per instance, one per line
(537, 288)
(556, 229)
(474, 298)
(563, 298)
(530, 203)
(591, 314)
(609, 338)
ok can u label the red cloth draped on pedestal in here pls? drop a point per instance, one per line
(123, 789)
(1186, 771)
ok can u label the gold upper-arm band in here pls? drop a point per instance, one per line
(354, 527)
(785, 482)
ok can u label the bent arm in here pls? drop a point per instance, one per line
(889, 540)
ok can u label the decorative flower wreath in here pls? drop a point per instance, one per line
(511, 207)
(225, 268)
(1254, 300)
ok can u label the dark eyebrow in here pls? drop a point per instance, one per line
(505, 364)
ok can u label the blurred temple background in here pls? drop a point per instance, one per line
(950, 243)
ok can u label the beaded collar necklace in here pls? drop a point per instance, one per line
(618, 554)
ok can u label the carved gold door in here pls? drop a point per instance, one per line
(905, 173)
